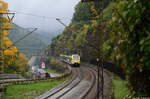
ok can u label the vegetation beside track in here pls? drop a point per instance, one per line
(55, 65)
(122, 37)
(51, 71)
(30, 91)
(119, 87)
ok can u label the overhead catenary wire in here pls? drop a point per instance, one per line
(59, 20)
(39, 16)
(21, 39)
(47, 17)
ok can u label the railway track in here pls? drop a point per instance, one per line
(91, 91)
(80, 87)
(26, 81)
(60, 91)
(107, 86)
(59, 88)
(72, 84)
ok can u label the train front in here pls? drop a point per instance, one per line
(76, 60)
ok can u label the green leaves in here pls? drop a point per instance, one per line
(135, 1)
(145, 45)
(130, 33)
(124, 37)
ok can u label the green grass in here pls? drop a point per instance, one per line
(120, 88)
(51, 71)
(30, 91)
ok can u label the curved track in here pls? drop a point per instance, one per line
(72, 84)
(91, 92)
(82, 86)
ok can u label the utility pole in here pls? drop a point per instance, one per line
(100, 12)
(98, 79)
(1, 46)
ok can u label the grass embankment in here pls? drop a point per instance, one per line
(120, 88)
(52, 71)
(30, 91)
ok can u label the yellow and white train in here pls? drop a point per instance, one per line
(73, 60)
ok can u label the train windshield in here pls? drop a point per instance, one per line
(76, 57)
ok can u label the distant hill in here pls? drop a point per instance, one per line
(45, 37)
(31, 44)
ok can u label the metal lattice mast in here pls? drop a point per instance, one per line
(4, 20)
(1, 45)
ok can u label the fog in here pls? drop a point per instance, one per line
(34, 13)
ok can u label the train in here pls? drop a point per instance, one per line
(73, 60)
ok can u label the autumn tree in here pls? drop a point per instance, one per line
(11, 61)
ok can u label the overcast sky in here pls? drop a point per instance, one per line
(49, 8)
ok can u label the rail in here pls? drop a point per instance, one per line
(81, 75)
(5, 83)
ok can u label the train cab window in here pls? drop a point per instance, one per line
(76, 57)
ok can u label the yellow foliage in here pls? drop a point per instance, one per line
(86, 26)
(94, 12)
(9, 52)
(22, 56)
(3, 5)
(5, 32)
(14, 49)
(14, 61)
(7, 42)
(6, 39)
(7, 26)
(5, 19)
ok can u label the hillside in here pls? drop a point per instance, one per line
(120, 36)
(31, 44)
(45, 36)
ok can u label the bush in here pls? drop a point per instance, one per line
(140, 83)
(16, 65)
(57, 65)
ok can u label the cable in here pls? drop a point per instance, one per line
(34, 15)
(59, 20)
(21, 39)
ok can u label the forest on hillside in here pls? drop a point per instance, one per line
(123, 38)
